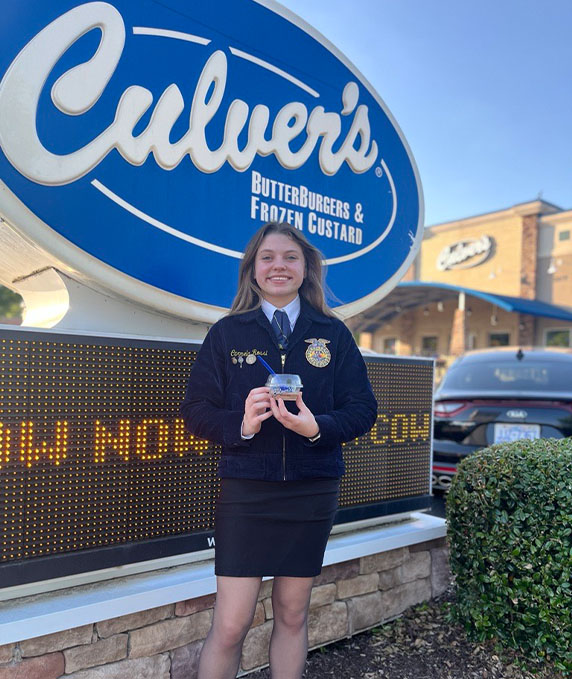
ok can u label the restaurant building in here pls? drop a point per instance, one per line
(496, 279)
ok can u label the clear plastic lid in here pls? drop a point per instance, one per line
(284, 386)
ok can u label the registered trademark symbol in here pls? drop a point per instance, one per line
(378, 172)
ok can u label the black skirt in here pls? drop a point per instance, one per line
(273, 528)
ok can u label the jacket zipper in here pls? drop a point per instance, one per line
(283, 359)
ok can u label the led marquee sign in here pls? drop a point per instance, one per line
(96, 468)
(142, 143)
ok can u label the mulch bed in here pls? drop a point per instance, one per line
(421, 644)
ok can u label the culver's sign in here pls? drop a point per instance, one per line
(465, 253)
(143, 144)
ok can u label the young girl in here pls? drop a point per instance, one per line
(281, 465)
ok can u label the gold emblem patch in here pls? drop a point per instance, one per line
(318, 354)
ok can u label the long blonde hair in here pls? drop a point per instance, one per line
(249, 296)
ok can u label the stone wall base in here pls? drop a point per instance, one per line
(165, 642)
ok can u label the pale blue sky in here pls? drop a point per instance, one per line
(482, 91)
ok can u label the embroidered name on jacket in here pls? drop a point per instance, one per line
(248, 357)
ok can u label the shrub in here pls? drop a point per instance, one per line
(509, 512)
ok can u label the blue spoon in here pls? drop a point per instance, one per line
(259, 357)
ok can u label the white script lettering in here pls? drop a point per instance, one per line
(77, 90)
(452, 256)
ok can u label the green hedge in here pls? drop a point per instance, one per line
(509, 512)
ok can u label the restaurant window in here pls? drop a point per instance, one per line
(499, 339)
(429, 345)
(557, 338)
(389, 345)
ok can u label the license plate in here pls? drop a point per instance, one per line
(505, 433)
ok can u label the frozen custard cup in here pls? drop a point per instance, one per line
(286, 387)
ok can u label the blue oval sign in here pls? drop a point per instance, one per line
(143, 144)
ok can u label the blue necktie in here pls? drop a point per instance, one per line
(281, 327)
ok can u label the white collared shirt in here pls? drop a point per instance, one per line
(292, 310)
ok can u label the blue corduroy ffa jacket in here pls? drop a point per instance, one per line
(338, 394)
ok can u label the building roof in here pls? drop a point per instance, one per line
(539, 207)
(413, 294)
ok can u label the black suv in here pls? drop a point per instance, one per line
(497, 395)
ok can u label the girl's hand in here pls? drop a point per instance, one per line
(257, 408)
(304, 423)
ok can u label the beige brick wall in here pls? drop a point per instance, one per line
(500, 273)
(528, 243)
(562, 280)
(478, 322)
(165, 642)
(556, 287)
(458, 342)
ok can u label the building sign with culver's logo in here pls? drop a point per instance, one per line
(142, 144)
(465, 253)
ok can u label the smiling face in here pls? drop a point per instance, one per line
(279, 269)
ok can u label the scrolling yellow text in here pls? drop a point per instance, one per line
(401, 427)
(150, 439)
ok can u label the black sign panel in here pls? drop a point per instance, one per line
(97, 470)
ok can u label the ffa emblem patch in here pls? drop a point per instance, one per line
(318, 354)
